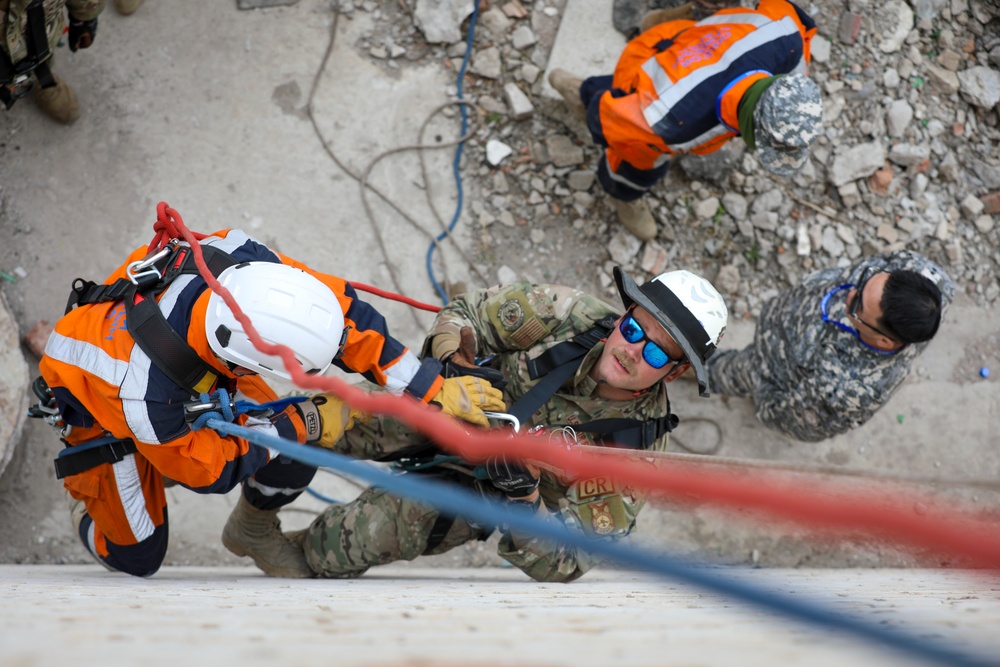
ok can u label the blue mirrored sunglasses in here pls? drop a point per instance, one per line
(653, 354)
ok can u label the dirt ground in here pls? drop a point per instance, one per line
(232, 118)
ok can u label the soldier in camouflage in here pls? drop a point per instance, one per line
(672, 323)
(829, 353)
(30, 31)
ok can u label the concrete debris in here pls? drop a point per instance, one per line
(496, 151)
(441, 20)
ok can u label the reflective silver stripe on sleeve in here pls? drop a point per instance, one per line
(400, 374)
(716, 131)
(86, 356)
(621, 179)
(773, 30)
(749, 18)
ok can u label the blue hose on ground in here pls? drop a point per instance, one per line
(458, 158)
(454, 500)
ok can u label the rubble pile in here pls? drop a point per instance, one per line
(909, 157)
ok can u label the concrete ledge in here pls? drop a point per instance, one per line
(399, 615)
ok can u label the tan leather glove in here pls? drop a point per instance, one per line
(326, 418)
(466, 397)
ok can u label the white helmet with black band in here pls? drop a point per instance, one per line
(689, 308)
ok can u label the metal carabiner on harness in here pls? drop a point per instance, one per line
(46, 408)
(505, 417)
(140, 271)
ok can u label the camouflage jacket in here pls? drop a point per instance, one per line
(13, 22)
(517, 322)
(817, 381)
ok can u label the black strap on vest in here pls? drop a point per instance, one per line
(80, 458)
(557, 364)
(166, 348)
(628, 433)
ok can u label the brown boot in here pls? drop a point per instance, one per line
(257, 533)
(658, 16)
(636, 217)
(59, 102)
(567, 85)
(126, 7)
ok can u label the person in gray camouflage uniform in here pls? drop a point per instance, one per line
(616, 378)
(831, 352)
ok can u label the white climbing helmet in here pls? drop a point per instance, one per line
(689, 308)
(286, 305)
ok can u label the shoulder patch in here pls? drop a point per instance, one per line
(511, 315)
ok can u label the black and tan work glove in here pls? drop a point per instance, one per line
(466, 397)
(81, 33)
(326, 418)
(511, 477)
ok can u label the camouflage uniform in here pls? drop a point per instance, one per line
(13, 16)
(515, 323)
(809, 379)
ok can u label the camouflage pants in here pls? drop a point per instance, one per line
(378, 527)
(733, 372)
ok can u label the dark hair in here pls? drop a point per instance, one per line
(911, 307)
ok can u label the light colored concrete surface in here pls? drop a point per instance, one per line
(82, 615)
(586, 44)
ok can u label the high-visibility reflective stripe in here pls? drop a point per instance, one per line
(749, 18)
(87, 357)
(132, 499)
(271, 491)
(717, 130)
(772, 31)
(398, 375)
(658, 76)
(618, 178)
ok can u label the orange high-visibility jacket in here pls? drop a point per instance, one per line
(677, 86)
(104, 382)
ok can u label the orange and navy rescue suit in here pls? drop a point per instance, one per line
(677, 88)
(105, 384)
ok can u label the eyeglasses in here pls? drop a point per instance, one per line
(653, 354)
(823, 308)
(858, 306)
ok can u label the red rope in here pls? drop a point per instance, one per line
(395, 297)
(910, 518)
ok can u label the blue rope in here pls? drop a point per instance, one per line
(457, 501)
(458, 158)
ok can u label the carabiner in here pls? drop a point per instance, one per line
(145, 268)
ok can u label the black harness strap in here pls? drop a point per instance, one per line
(74, 460)
(166, 348)
(557, 364)
(628, 433)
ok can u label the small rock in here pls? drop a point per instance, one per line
(623, 247)
(941, 79)
(850, 25)
(991, 202)
(441, 20)
(563, 152)
(537, 236)
(514, 10)
(887, 233)
(898, 117)
(907, 155)
(803, 246)
(980, 86)
(903, 23)
(850, 195)
(856, 162)
(580, 179)
(522, 37)
(833, 246)
(950, 60)
(735, 205)
(984, 224)
(654, 259)
(506, 275)
(890, 78)
(496, 151)
(530, 73)
(880, 181)
(971, 207)
(820, 49)
(728, 279)
(846, 234)
(706, 208)
(520, 106)
(486, 63)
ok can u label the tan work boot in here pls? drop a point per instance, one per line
(257, 533)
(126, 7)
(636, 217)
(567, 85)
(658, 16)
(59, 102)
